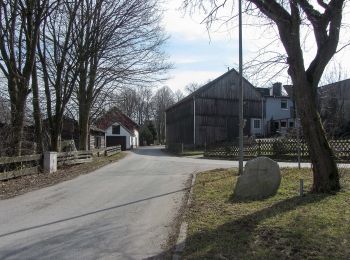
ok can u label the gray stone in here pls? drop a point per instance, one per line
(261, 179)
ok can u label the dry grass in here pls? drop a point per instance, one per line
(286, 226)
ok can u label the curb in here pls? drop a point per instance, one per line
(181, 238)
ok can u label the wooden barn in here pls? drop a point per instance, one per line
(210, 114)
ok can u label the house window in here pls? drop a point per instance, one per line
(116, 129)
(291, 124)
(283, 124)
(256, 123)
(284, 104)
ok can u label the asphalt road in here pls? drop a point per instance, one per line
(122, 211)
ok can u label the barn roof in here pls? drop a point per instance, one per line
(114, 115)
(209, 85)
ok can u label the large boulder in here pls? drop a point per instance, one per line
(261, 179)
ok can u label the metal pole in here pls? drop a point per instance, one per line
(299, 144)
(166, 143)
(241, 123)
(194, 122)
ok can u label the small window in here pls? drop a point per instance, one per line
(291, 124)
(284, 104)
(283, 124)
(116, 129)
(256, 123)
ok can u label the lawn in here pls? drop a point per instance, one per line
(285, 226)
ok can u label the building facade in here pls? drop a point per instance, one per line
(210, 114)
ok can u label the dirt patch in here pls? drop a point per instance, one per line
(17, 186)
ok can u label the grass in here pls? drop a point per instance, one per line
(286, 226)
(192, 153)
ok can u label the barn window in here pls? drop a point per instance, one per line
(256, 123)
(291, 124)
(116, 129)
(284, 104)
(283, 124)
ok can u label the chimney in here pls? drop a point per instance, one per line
(277, 89)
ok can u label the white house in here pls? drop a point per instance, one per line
(120, 129)
(119, 132)
(278, 110)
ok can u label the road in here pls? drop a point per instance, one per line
(124, 210)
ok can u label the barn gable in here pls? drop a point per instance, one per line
(210, 114)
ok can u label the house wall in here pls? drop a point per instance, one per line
(273, 110)
(216, 109)
(92, 141)
(256, 131)
(123, 132)
(135, 140)
(341, 92)
(179, 123)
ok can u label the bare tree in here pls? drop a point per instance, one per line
(58, 65)
(19, 32)
(178, 95)
(120, 45)
(191, 87)
(162, 99)
(324, 19)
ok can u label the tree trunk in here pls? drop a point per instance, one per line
(325, 171)
(84, 123)
(18, 99)
(56, 134)
(83, 132)
(56, 141)
(37, 112)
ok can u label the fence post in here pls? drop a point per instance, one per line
(50, 162)
(259, 148)
(182, 147)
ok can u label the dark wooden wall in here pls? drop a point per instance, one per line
(216, 112)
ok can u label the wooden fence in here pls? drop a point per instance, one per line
(276, 148)
(70, 158)
(12, 167)
(113, 150)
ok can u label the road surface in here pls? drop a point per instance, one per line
(122, 211)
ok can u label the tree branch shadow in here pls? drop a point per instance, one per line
(234, 237)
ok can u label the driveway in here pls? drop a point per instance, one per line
(122, 211)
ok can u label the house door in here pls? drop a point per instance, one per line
(116, 140)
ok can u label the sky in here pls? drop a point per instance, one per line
(198, 57)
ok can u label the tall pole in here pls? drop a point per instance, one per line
(241, 122)
(194, 123)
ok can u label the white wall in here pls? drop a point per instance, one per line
(273, 108)
(123, 132)
(256, 131)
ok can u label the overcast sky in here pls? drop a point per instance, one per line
(199, 58)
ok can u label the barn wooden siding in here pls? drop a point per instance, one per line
(216, 108)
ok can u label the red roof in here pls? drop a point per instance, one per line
(114, 115)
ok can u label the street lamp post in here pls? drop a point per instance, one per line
(241, 120)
